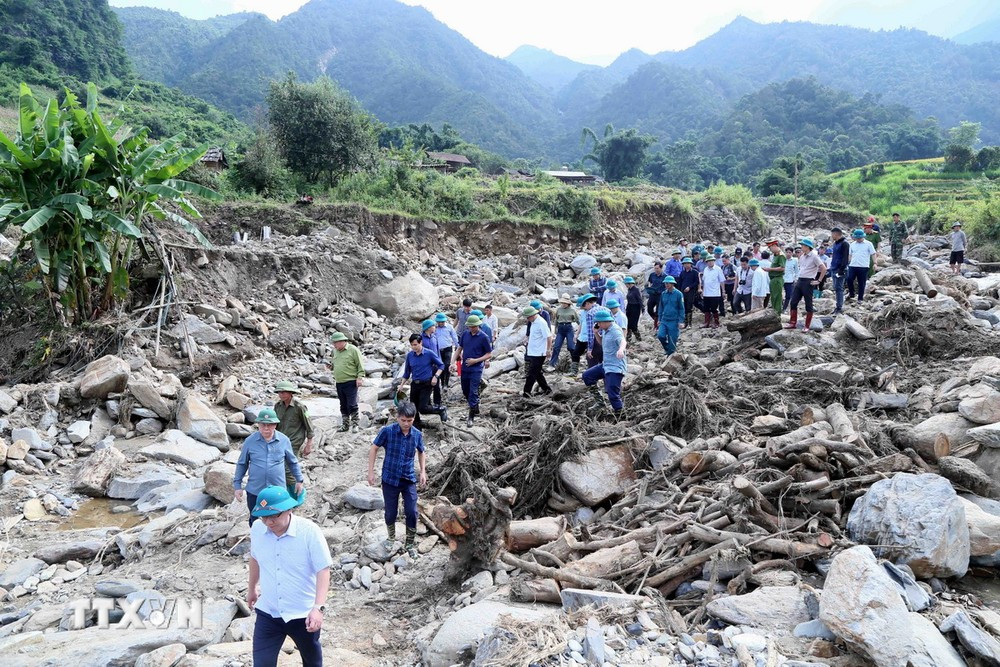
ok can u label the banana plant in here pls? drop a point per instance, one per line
(82, 190)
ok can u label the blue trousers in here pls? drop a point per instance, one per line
(391, 493)
(669, 333)
(470, 383)
(838, 289)
(564, 333)
(347, 394)
(860, 274)
(612, 384)
(251, 503)
(269, 634)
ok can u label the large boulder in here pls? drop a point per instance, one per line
(409, 296)
(984, 527)
(467, 626)
(96, 470)
(364, 497)
(600, 474)
(949, 424)
(219, 481)
(106, 375)
(196, 419)
(582, 264)
(984, 366)
(987, 436)
(141, 480)
(19, 570)
(174, 445)
(917, 520)
(980, 404)
(148, 397)
(863, 607)
(773, 608)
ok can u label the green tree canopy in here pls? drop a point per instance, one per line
(620, 154)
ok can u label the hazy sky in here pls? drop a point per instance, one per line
(592, 31)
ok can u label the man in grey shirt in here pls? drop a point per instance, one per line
(461, 316)
(958, 246)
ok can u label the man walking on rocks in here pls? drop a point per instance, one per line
(760, 286)
(712, 281)
(348, 374)
(671, 310)
(613, 367)
(294, 422)
(590, 339)
(744, 286)
(430, 343)
(566, 318)
(262, 461)
(839, 261)
(598, 284)
(729, 273)
(402, 443)
(447, 341)
(474, 349)
(958, 245)
(654, 287)
(425, 368)
(897, 237)
(463, 314)
(811, 272)
(861, 254)
(633, 308)
(777, 273)
(689, 284)
(539, 346)
(290, 561)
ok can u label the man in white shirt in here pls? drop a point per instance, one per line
(539, 347)
(712, 281)
(760, 287)
(290, 560)
(744, 284)
(860, 253)
(616, 311)
(791, 275)
(492, 322)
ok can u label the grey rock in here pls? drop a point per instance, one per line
(364, 497)
(814, 629)
(409, 296)
(174, 445)
(577, 598)
(238, 431)
(149, 426)
(987, 436)
(990, 317)
(196, 419)
(190, 500)
(478, 582)
(594, 649)
(218, 479)
(78, 431)
(200, 331)
(919, 519)
(777, 608)
(19, 571)
(95, 472)
(29, 435)
(156, 499)
(915, 597)
(79, 550)
(151, 601)
(116, 588)
(978, 643)
(381, 550)
(980, 404)
(467, 626)
(148, 396)
(598, 475)
(7, 402)
(141, 480)
(582, 264)
(104, 376)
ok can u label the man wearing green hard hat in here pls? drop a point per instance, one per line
(474, 350)
(294, 422)
(262, 461)
(348, 375)
(290, 563)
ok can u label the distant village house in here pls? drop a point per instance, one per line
(215, 159)
(452, 162)
(572, 177)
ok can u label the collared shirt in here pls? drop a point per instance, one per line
(620, 318)
(538, 337)
(744, 280)
(611, 340)
(460, 318)
(791, 269)
(671, 306)
(422, 366)
(446, 336)
(288, 567)
(711, 281)
(612, 294)
(348, 364)
(761, 285)
(841, 254)
(700, 266)
(597, 287)
(729, 271)
(399, 452)
(634, 296)
(430, 343)
(474, 347)
(958, 241)
(655, 280)
(673, 267)
(567, 315)
(265, 463)
(588, 327)
(861, 253)
(492, 323)
(778, 262)
(810, 265)
(294, 421)
(689, 279)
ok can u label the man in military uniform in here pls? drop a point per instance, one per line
(776, 274)
(897, 236)
(293, 421)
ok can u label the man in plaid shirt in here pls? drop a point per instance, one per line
(401, 442)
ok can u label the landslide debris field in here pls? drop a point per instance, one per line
(770, 497)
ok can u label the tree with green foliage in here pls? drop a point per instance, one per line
(680, 165)
(966, 134)
(621, 154)
(262, 169)
(959, 157)
(322, 131)
(81, 190)
(780, 178)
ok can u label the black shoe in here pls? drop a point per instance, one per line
(444, 415)
(525, 394)
(545, 392)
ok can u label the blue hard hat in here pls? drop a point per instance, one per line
(426, 324)
(612, 283)
(755, 262)
(536, 304)
(612, 303)
(275, 500)
(686, 260)
(858, 233)
(629, 280)
(807, 243)
(594, 270)
(478, 313)
(440, 318)
(670, 280)
(604, 316)
(584, 299)
(718, 250)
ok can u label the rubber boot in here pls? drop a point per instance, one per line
(411, 542)
(716, 318)
(708, 321)
(471, 418)
(638, 336)
(390, 531)
(809, 319)
(687, 320)
(574, 368)
(355, 422)
(596, 396)
(345, 424)
(793, 319)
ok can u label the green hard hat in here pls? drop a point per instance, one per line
(338, 337)
(267, 416)
(473, 321)
(275, 500)
(285, 385)
(529, 311)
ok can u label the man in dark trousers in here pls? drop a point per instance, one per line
(689, 283)
(425, 368)
(475, 350)
(838, 267)
(402, 443)
(654, 288)
(538, 349)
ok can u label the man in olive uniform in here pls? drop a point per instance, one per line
(776, 274)
(293, 421)
(897, 237)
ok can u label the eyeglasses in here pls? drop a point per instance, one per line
(271, 517)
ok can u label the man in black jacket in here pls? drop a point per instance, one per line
(838, 266)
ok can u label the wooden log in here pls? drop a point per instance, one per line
(644, 535)
(524, 535)
(697, 463)
(686, 565)
(559, 574)
(856, 329)
(870, 400)
(841, 422)
(601, 564)
(746, 488)
(535, 590)
(790, 548)
(904, 438)
(754, 325)
(925, 282)
(777, 442)
(813, 414)
(738, 448)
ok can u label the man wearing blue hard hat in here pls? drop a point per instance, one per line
(811, 272)
(290, 563)
(598, 283)
(672, 314)
(613, 364)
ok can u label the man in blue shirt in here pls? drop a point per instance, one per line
(673, 267)
(430, 344)
(263, 456)
(475, 350)
(401, 442)
(425, 368)
(671, 315)
(598, 283)
(447, 341)
(612, 368)
(654, 287)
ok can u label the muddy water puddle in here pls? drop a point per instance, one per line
(96, 513)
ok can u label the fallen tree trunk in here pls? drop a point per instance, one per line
(779, 441)
(856, 329)
(813, 414)
(559, 574)
(524, 535)
(535, 590)
(925, 282)
(696, 463)
(755, 325)
(881, 401)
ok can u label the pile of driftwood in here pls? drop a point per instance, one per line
(758, 508)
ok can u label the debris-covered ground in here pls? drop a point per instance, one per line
(768, 497)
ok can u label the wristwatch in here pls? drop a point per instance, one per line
(321, 608)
